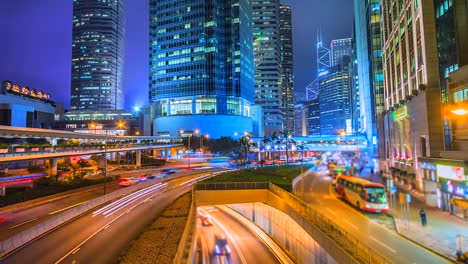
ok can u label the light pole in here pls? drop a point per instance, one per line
(189, 135)
(105, 163)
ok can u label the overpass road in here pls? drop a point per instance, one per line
(100, 235)
(318, 194)
(246, 247)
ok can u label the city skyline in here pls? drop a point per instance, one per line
(50, 29)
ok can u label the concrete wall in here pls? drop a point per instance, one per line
(290, 235)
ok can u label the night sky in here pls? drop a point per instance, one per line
(35, 43)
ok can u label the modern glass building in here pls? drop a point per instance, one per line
(452, 43)
(97, 55)
(201, 66)
(367, 33)
(287, 66)
(267, 52)
(340, 48)
(334, 99)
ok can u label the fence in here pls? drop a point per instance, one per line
(232, 186)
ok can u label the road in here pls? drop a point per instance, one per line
(245, 246)
(100, 235)
(317, 193)
(14, 222)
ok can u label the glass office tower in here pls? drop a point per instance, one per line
(201, 66)
(97, 55)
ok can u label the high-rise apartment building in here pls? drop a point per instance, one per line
(97, 55)
(412, 121)
(201, 66)
(267, 53)
(369, 70)
(287, 66)
(340, 48)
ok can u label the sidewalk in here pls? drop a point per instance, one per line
(440, 233)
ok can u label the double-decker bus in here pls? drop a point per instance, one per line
(365, 195)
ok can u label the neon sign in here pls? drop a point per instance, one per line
(17, 89)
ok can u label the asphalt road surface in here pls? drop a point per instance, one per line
(318, 194)
(100, 235)
(245, 246)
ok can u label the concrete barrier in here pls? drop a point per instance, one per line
(19, 240)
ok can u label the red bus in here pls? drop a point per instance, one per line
(365, 195)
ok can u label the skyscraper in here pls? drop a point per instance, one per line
(323, 56)
(287, 66)
(368, 39)
(97, 55)
(452, 42)
(201, 66)
(340, 48)
(334, 99)
(267, 52)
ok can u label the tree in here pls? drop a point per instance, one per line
(245, 144)
(287, 135)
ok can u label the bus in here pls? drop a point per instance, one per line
(365, 195)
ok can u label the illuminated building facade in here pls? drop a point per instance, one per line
(412, 113)
(287, 66)
(97, 55)
(340, 48)
(334, 99)
(22, 106)
(267, 53)
(201, 66)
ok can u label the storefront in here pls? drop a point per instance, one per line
(454, 190)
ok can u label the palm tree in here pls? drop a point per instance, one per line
(288, 139)
(265, 141)
(245, 144)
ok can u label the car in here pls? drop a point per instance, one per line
(168, 171)
(221, 246)
(143, 178)
(125, 182)
(206, 220)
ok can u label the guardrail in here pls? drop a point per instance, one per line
(187, 242)
(346, 241)
(71, 149)
(21, 239)
(231, 186)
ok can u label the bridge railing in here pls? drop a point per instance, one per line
(359, 250)
(24, 151)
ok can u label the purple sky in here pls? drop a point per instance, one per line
(35, 44)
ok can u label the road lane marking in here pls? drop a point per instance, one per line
(389, 248)
(76, 250)
(239, 253)
(29, 221)
(332, 212)
(104, 227)
(66, 208)
(351, 224)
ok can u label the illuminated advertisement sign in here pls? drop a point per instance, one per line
(452, 173)
(459, 189)
(23, 90)
(400, 113)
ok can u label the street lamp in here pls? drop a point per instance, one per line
(189, 135)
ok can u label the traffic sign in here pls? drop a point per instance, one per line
(393, 189)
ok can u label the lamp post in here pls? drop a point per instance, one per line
(105, 163)
(189, 135)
